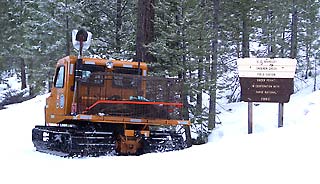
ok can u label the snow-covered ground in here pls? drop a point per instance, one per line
(270, 155)
(10, 84)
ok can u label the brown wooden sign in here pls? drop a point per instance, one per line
(266, 79)
(266, 89)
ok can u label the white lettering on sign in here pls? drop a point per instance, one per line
(266, 67)
(265, 99)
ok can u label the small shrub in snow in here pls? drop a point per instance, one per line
(14, 96)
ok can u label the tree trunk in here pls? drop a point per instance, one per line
(67, 31)
(237, 36)
(272, 37)
(294, 30)
(199, 88)
(145, 29)
(245, 35)
(118, 26)
(213, 67)
(315, 76)
(307, 60)
(200, 74)
(31, 78)
(50, 82)
(282, 53)
(23, 74)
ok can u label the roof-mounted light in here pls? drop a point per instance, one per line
(109, 64)
(81, 40)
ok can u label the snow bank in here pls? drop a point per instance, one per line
(269, 155)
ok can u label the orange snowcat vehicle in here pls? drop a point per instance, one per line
(110, 107)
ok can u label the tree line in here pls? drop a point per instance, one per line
(196, 40)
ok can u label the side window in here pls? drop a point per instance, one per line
(123, 77)
(125, 81)
(92, 74)
(59, 78)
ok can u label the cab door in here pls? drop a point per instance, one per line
(56, 102)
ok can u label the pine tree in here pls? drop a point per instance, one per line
(4, 20)
(307, 34)
(50, 39)
(272, 29)
(294, 30)
(213, 67)
(113, 25)
(18, 45)
(145, 29)
(198, 38)
(181, 46)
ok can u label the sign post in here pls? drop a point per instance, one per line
(249, 117)
(266, 80)
(280, 115)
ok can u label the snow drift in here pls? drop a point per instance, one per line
(269, 155)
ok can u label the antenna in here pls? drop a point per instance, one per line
(81, 41)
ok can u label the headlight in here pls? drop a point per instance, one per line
(109, 64)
